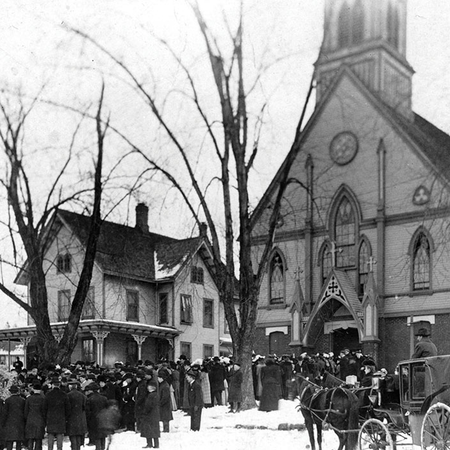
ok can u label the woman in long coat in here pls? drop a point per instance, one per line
(271, 386)
(235, 388)
(35, 418)
(150, 417)
(13, 424)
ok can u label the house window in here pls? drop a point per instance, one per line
(345, 227)
(88, 350)
(63, 305)
(196, 275)
(208, 351)
(185, 349)
(363, 267)
(64, 263)
(186, 309)
(276, 280)
(133, 306)
(393, 26)
(326, 263)
(208, 313)
(164, 308)
(89, 305)
(131, 351)
(421, 263)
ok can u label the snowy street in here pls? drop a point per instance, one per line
(220, 431)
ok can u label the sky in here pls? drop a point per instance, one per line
(37, 48)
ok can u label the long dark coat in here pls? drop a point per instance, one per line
(235, 386)
(271, 387)
(217, 375)
(95, 403)
(150, 416)
(76, 423)
(56, 407)
(35, 416)
(139, 399)
(165, 402)
(14, 418)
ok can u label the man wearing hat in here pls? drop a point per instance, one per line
(13, 423)
(34, 418)
(424, 347)
(76, 423)
(56, 412)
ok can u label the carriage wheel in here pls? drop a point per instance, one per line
(374, 435)
(436, 428)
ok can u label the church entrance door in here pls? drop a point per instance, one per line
(347, 338)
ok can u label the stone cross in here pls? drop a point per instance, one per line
(370, 263)
(333, 252)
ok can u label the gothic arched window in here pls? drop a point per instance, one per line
(363, 266)
(393, 26)
(344, 26)
(326, 262)
(344, 232)
(276, 279)
(421, 267)
(358, 23)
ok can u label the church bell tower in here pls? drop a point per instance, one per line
(370, 38)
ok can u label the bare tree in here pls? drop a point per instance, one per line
(235, 151)
(34, 231)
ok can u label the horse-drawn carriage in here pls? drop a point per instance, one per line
(421, 416)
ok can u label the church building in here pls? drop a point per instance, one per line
(361, 256)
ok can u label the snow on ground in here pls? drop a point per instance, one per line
(220, 431)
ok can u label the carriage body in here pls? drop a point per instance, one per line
(423, 412)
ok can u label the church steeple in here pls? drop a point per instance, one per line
(370, 38)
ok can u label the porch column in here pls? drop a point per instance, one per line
(25, 341)
(139, 338)
(100, 338)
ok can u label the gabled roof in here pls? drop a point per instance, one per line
(170, 257)
(128, 252)
(430, 141)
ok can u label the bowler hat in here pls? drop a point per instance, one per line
(423, 332)
(14, 389)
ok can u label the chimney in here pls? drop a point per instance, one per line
(142, 217)
(203, 228)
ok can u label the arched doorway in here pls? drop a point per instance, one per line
(345, 338)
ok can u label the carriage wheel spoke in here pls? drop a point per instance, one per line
(435, 428)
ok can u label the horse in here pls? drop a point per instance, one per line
(337, 407)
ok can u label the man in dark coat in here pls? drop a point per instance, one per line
(424, 347)
(165, 402)
(35, 418)
(13, 424)
(76, 421)
(95, 403)
(139, 398)
(150, 416)
(56, 410)
(195, 396)
(129, 386)
(217, 375)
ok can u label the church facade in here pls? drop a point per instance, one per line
(361, 256)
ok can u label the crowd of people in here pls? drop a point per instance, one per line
(85, 401)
